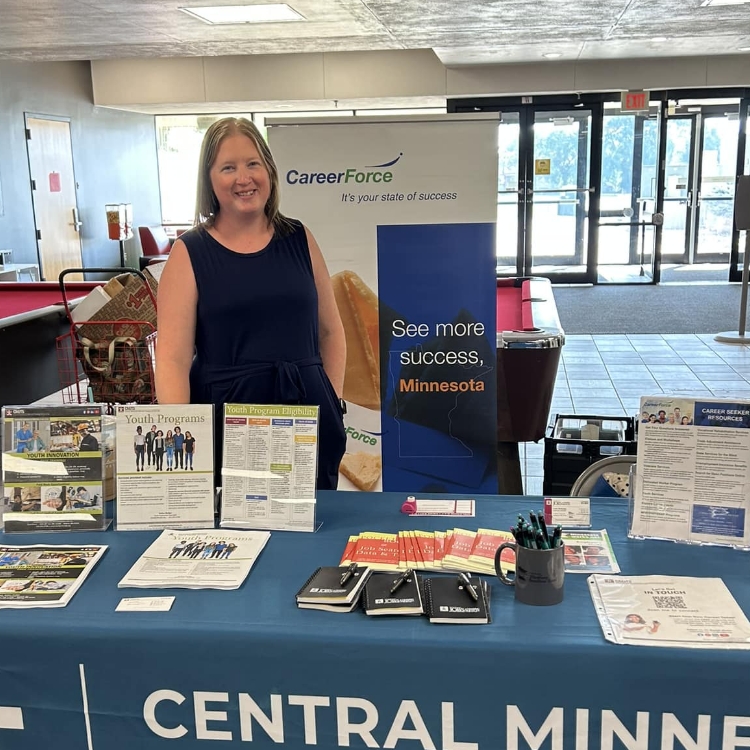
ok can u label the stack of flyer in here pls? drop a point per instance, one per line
(452, 550)
(165, 467)
(53, 468)
(205, 559)
(44, 575)
(589, 551)
(669, 611)
(270, 465)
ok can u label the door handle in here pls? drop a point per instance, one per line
(690, 199)
(77, 223)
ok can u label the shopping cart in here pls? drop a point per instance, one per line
(109, 361)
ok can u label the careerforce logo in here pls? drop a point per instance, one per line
(350, 175)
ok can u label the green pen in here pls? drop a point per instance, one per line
(541, 542)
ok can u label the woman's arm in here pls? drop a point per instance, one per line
(331, 331)
(176, 313)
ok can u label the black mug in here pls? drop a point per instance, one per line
(540, 574)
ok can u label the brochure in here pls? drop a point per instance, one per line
(53, 468)
(693, 477)
(669, 611)
(205, 559)
(165, 467)
(270, 467)
(589, 552)
(44, 575)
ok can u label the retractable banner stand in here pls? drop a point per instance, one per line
(405, 212)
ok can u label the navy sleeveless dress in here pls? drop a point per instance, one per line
(256, 336)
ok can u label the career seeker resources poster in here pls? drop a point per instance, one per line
(405, 214)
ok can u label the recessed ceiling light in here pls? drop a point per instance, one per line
(552, 55)
(658, 39)
(744, 49)
(224, 14)
(706, 3)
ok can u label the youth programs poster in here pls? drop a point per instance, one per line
(404, 212)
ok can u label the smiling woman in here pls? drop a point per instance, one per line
(246, 307)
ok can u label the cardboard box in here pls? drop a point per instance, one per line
(130, 300)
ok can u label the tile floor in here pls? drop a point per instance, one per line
(607, 375)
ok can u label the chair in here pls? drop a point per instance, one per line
(591, 474)
(155, 244)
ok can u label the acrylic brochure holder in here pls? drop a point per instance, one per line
(691, 484)
(269, 467)
(54, 468)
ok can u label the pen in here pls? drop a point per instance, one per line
(556, 537)
(468, 585)
(401, 579)
(543, 525)
(534, 522)
(541, 542)
(347, 574)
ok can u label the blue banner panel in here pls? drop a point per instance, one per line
(437, 290)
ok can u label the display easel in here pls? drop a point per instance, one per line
(742, 220)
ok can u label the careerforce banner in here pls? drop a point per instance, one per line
(404, 212)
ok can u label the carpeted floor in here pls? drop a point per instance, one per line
(670, 308)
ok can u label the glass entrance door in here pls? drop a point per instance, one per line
(544, 193)
(627, 210)
(557, 194)
(700, 177)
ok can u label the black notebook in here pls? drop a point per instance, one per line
(324, 588)
(405, 600)
(448, 601)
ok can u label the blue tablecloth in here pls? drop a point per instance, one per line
(213, 668)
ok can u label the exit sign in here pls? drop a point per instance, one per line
(635, 101)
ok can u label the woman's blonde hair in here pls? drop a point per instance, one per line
(206, 204)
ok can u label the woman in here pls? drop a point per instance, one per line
(158, 449)
(169, 449)
(139, 446)
(247, 292)
(189, 450)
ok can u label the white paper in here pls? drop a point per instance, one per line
(145, 604)
(203, 559)
(567, 511)
(167, 493)
(443, 508)
(269, 467)
(669, 611)
(693, 477)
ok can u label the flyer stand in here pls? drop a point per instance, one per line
(108, 361)
(691, 483)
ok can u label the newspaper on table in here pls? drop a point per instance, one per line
(270, 462)
(589, 551)
(44, 575)
(693, 477)
(669, 611)
(204, 559)
(165, 467)
(53, 468)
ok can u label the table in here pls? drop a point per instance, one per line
(31, 318)
(529, 342)
(212, 666)
(11, 271)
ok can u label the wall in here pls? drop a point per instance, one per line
(165, 85)
(114, 156)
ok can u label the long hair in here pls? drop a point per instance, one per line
(206, 204)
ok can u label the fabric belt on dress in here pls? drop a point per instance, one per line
(288, 385)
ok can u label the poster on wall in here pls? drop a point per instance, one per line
(404, 211)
